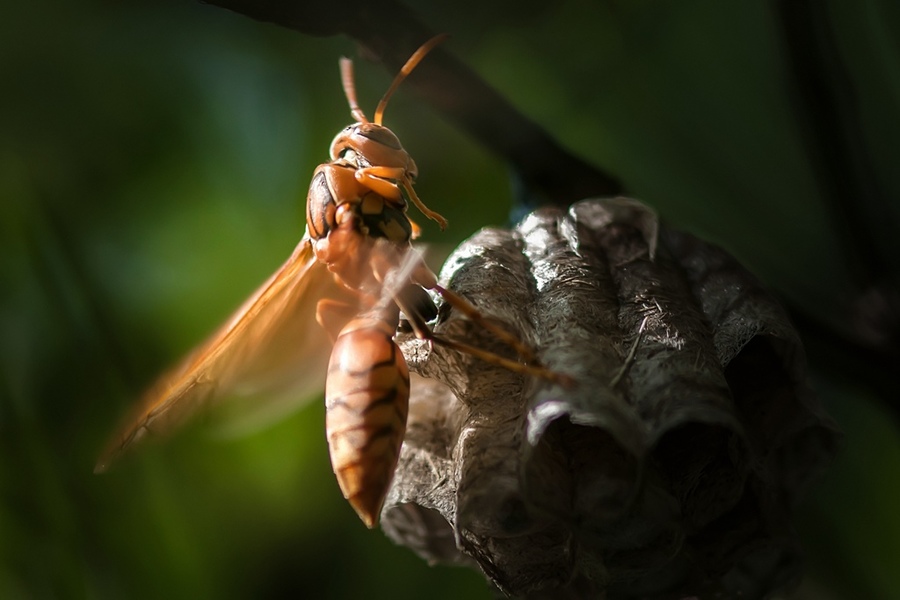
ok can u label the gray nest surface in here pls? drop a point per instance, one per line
(668, 470)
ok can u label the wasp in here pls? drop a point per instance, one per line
(352, 274)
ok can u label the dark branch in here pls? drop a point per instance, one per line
(868, 366)
(391, 32)
(826, 107)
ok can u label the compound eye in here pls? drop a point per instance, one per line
(381, 135)
(350, 156)
(343, 140)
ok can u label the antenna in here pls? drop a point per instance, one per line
(350, 90)
(414, 60)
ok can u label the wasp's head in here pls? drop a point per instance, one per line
(370, 145)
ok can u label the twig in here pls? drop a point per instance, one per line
(826, 107)
(631, 354)
(391, 32)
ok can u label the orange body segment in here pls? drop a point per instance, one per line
(366, 404)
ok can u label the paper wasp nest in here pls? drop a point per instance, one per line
(669, 469)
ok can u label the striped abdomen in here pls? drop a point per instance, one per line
(366, 403)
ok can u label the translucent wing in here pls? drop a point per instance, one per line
(271, 346)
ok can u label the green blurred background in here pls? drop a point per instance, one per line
(154, 159)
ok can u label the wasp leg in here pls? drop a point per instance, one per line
(333, 316)
(424, 277)
(381, 180)
(416, 230)
(535, 370)
(436, 217)
(423, 332)
(473, 314)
